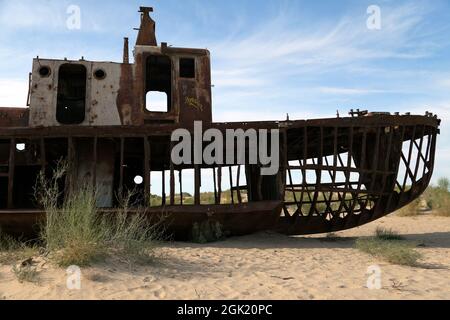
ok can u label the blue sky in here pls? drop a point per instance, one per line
(270, 58)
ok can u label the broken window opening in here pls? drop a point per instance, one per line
(156, 101)
(71, 105)
(158, 93)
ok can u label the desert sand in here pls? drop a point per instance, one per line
(261, 266)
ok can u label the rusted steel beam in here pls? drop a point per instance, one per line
(172, 178)
(318, 172)
(419, 153)
(328, 167)
(11, 172)
(122, 164)
(397, 166)
(427, 154)
(238, 182)
(70, 158)
(216, 200)
(180, 182)
(166, 130)
(361, 169)
(163, 173)
(408, 161)
(305, 162)
(94, 163)
(198, 184)
(230, 170)
(43, 155)
(219, 184)
(376, 158)
(147, 170)
(377, 211)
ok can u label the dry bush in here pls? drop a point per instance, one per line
(76, 233)
(387, 234)
(395, 252)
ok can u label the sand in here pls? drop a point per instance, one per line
(261, 266)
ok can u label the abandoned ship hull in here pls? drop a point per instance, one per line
(113, 124)
(335, 174)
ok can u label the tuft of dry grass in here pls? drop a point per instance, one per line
(76, 233)
(391, 247)
(332, 237)
(387, 234)
(13, 250)
(395, 252)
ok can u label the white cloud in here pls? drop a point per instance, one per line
(13, 93)
(348, 91)
(32, 14)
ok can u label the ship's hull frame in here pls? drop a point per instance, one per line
(335, 174)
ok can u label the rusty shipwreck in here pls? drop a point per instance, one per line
(335, 173)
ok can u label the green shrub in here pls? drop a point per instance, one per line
(395, 252)
(387, 234)
(77, 234)
(13, 250)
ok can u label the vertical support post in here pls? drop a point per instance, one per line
(94, 164)
(216, 199)
(180, 181)
(147, 173)
(70, 156)
(163, 187)
(198, 184)
(238, 188)
(219, 184)
(285, 161)
(230, 170)
(12, 166)
(43, 155)
(172, 179)
(122, 164)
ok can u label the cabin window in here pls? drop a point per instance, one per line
(71, 105)
(187, 68)
(158, 95)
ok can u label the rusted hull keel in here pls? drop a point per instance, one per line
(174, 222)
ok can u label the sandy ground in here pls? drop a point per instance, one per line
(262, 266)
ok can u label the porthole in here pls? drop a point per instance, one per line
(44, 71)
(100, 74)
(138, 180)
